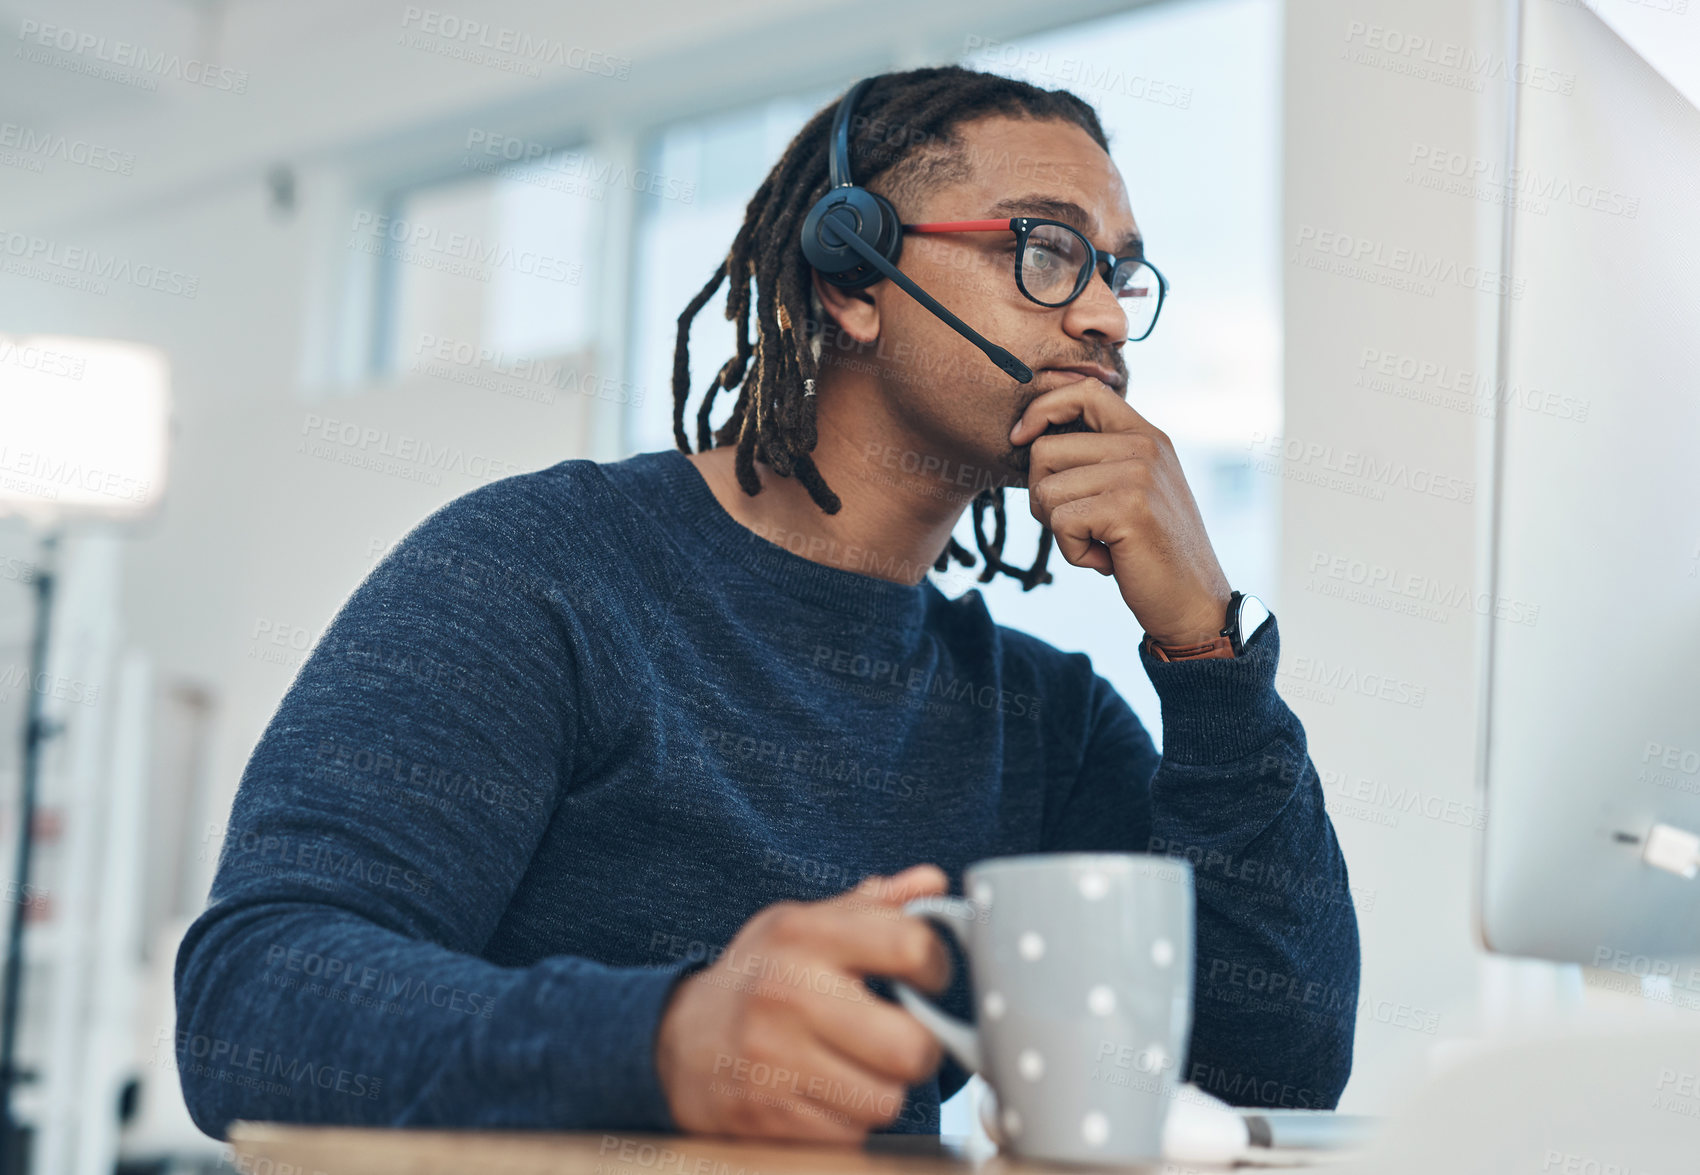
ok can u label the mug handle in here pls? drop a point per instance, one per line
(958, 1038)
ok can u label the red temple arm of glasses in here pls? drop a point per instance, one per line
(960, 226)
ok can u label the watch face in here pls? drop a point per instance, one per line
(1251, 616)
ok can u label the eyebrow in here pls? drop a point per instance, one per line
(1067, 211)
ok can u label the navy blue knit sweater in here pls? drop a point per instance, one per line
(581, 724)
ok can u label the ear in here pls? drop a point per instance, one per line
(855, 311)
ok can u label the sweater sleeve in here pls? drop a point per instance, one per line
(1235, 793)
(382, 823)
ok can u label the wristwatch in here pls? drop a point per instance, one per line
(1246, 614)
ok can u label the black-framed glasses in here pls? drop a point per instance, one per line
(1054, 262)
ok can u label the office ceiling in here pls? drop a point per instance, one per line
(226, 32)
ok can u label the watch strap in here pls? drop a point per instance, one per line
(1222, 646)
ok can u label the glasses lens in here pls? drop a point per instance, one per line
(1139, 292)
(1051, 263)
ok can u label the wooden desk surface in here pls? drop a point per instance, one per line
(264, 1148)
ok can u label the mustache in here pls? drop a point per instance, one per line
(1110, 359)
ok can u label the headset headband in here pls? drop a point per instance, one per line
(838, 168)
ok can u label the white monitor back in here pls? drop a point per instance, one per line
(1593, 721)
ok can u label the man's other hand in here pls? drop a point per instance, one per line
(781, 1038)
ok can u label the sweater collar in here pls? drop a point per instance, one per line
(779, 560)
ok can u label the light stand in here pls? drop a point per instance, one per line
(37, 730)
(86, 437)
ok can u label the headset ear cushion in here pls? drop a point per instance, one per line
(872, 217)
(889, 239)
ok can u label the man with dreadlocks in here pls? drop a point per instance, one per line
(612, 778)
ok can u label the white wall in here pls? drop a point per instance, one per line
(1388, 695)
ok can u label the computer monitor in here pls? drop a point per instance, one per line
(1591, 676)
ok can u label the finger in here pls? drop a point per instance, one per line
(1091, 553)
(864, 1095)
(1046, 494)
(880, 1037)
(1075, 526)
(917, 881)
(1055, 452)
(1076, 541)
(771, 1114)
(875, 940)
(1088, 399)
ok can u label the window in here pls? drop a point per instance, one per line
(495, 260)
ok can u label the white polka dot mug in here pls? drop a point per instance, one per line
(1081, 968)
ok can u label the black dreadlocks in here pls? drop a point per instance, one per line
(902, 131)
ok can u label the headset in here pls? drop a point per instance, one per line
(853, 238)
